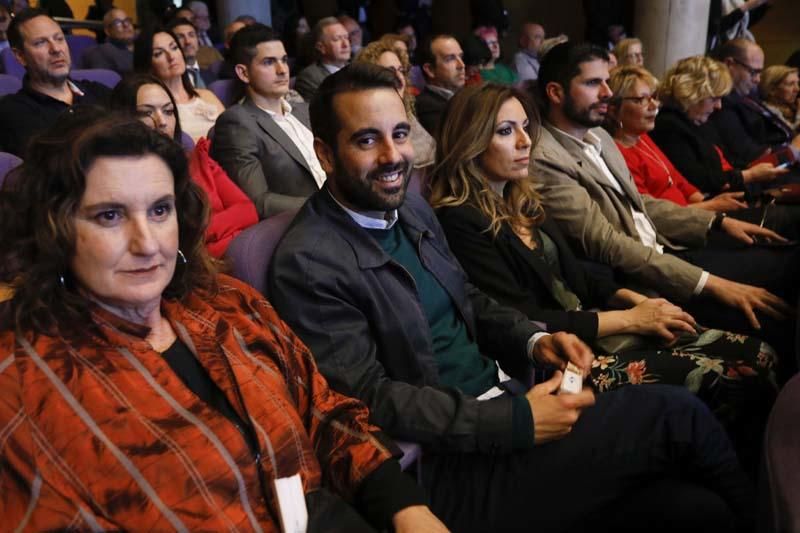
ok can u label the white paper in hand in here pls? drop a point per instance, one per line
(292, 502)
(572, 382)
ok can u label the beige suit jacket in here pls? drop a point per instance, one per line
(597, 219)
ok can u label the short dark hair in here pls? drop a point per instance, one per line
(143, 55)
(14, 34)
(562, 63)
(179, 21)
(125, 93)
(424, 53)
(358, 76)
(246, 40)
(735, 49)
(37, 234)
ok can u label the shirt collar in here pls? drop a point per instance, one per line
(447, 93)
(193, 66)
(590, 139)
(333, 69)
(369, 219)
(286, 108)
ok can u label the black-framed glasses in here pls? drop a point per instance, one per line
(642, 101)
(752, 71)
(119, 23)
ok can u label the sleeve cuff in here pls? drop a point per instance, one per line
(701, 284)
(532, 343)
(386, 491)
(521, 423)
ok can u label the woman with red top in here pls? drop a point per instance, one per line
(231, 210)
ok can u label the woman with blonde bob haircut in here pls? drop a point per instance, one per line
(385, 54)
(691, 91)
(496, 226)
(779, 88)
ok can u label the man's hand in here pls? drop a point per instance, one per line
(554, 415)
(556, 349)
(417, 518)
(726, 201)
(748, 299)
(744, 231)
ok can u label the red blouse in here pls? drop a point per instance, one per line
(231, 210)
(654, 174)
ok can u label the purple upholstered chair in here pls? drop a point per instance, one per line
(10, 65)
(109, 78)
(250, 253)
(225, 90)
(8, 162)
(187, 142)
(9, 84)
(78, 44)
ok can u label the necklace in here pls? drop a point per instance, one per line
(642, 147)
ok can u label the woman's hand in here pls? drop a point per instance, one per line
(762, 172)
(658, 317)
(417, 518)
(726, 201)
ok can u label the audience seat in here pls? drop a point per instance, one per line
(8, 162)
(9, 84)
(78, 44)
(225, 90)
(109, 78)
(187, 142)
(10, 65)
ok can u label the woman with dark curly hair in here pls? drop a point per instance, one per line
(495, 224)
(139, 388)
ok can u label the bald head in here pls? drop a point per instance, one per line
(118, 26)
(531, 37)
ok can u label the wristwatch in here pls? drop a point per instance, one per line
(717, 222)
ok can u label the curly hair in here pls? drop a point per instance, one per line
(37, 227)
(372, 54)
(466, 130)
(693, 79)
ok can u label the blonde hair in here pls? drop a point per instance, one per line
(771, 77)
(372, 54)
(693, 79)
(466, 130)
(621, 83)
(623, 47)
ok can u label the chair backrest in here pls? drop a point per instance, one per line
(187, 142)
(251, 251)
(109, 78)
(9, 84)
(8, 162)
(10, 65)
(78, 44)
(225, 90)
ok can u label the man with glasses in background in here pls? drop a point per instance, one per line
(744, 128)
(117, 52)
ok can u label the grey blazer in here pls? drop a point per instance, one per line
(309, 79)
(597, 219)
(259, 156)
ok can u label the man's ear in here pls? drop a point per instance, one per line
(554, 92)
(427, 68)
(325, 155)
(320, 47)
(20, 57)
(242, 73)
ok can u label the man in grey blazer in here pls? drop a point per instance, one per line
(587, 188)
(264, 144)
(332, 49)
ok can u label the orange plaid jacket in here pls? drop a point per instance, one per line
(97, 432)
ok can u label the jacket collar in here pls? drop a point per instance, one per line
(268, 125)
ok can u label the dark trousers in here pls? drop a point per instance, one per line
(775, 269)
(650, 452)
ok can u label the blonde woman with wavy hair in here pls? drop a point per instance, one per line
(495, 225)
(385, 54)
(779, 88)
(690, 92)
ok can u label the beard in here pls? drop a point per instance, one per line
(359, 193)
(583, 116)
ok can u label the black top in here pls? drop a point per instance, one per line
(507, 270)
(28, 112)
(690, 149)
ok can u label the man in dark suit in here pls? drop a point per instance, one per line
(442, 61)
(186, 32)
(264, 144)
(39, 44)
(332, 48)
(743, 127)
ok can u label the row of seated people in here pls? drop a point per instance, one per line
(418, 359)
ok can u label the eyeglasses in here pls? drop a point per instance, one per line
(752, 71)
(118, 23)
(642, 101)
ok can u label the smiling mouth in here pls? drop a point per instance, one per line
(390, 177)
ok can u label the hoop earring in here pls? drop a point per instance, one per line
(183, 257)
